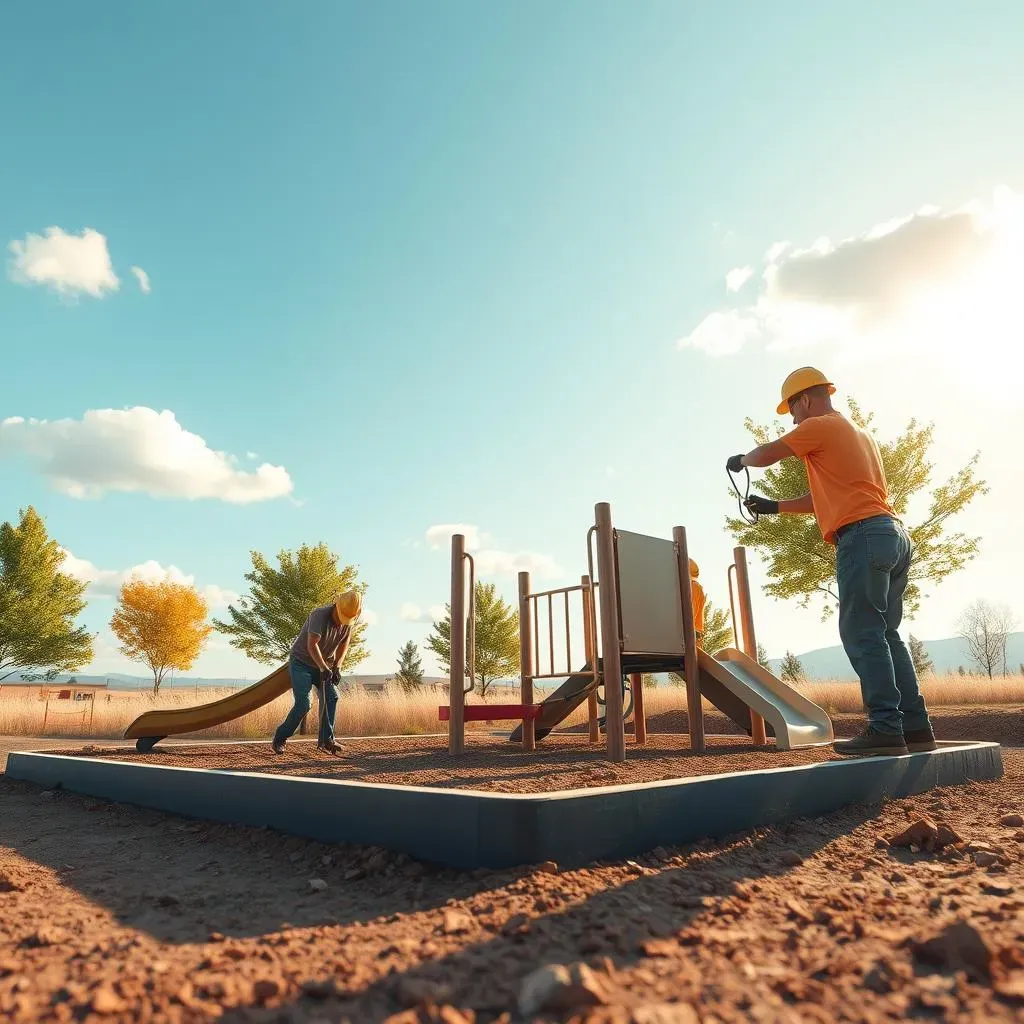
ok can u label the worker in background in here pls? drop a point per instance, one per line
(315, 660)
(850, 500)
(697, 597)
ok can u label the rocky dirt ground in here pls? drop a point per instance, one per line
(109, 913)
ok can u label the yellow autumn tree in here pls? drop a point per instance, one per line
(162, 624)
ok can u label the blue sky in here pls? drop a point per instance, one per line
(461, 263)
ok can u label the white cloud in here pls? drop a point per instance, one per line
(68, 264)
(143, 278)
(370, 617)
(414, 613)
(737, 278)
(721, 334)
(136, 450)
(107, 582)
(491, 561)
(941, 284)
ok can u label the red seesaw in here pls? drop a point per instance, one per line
(491, 712)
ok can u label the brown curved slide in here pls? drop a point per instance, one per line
(152, 726)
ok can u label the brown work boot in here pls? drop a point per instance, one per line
(870, 742)
(919, 739)
(330, 748)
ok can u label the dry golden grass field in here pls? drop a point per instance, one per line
(396, 713)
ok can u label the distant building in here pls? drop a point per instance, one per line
(71, 690)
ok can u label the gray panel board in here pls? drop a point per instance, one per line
(652, 621)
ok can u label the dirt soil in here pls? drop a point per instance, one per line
(109, 913)
(490, 762)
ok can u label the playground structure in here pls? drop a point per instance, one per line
(637, 615)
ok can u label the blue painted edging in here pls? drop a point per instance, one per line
(469, 829)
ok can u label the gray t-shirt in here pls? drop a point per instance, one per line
(320, 621)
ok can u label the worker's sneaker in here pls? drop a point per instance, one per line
(872, 742)
(277, 746)
(920, 739)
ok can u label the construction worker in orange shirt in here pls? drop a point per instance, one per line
(849, 498)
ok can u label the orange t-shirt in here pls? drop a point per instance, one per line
(697, 595)
(844, 470)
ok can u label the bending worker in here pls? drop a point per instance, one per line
(315, 660)
(849, 498)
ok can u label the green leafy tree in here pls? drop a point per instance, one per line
(38, 604)
(648, 680)
(497, 638)
(791, 670)
(410, 669)
(266, 623)
(919, 655)
(762, 656)
(802, 566)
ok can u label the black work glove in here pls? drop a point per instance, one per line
(325, 676)
(735, 464)
(335, 677)
(762, 506)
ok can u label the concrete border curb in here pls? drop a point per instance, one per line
(471, 829)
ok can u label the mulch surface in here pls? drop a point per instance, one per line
(490, 763)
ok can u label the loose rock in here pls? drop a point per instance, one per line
(559, 988)
(958, 947)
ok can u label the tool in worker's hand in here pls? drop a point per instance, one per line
(735, 464)
(742, 499)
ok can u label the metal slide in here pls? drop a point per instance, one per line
(735, 684)
(152, 726)
(559, 705)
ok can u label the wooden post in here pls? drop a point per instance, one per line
(636, 680)
(757, 733)
(526, 666)
(694, 707)
(611, 648)
(590, 651)
(456, 697)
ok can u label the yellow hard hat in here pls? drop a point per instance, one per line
(348, 607)
(694, 569)
(800, 380)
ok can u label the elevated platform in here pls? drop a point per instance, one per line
(473, 829)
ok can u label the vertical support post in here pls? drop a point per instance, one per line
(590, 652)
(757, 733)
(526, 666)
(611, 647)
(694, 707)
(636, 680)
(456, 695)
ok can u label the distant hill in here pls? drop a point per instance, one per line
(947, 655)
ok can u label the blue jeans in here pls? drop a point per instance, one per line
(304, 678)
(872, 565)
